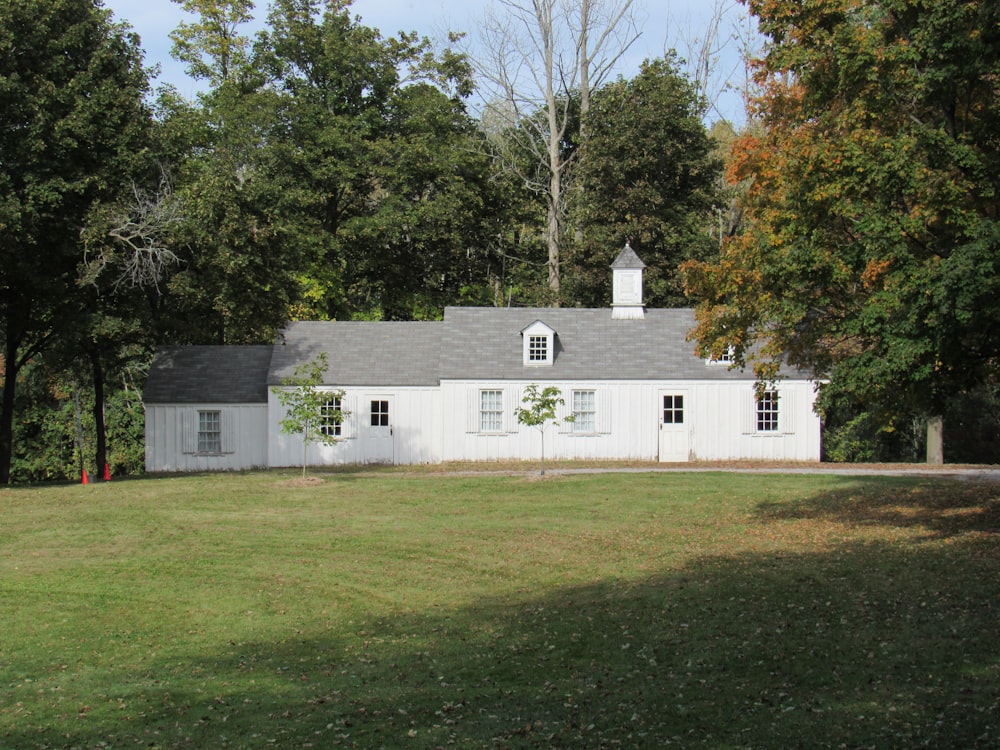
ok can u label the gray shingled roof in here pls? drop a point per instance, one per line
(471, 343)
(484, 343)
(378, 353)
(208, 375)
(628, 259)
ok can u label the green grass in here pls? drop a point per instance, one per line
(597, 611)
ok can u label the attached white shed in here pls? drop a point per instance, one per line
(206, 408)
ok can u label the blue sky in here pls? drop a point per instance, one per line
(664, 24)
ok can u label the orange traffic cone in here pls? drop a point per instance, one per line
(84, 480)
(107, 473)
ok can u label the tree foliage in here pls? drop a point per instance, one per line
(872, 250)
(73, 129)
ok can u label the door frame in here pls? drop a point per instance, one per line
(673, 438)
(380, 441)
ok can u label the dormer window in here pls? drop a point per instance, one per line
(538, 349)
(539, 344)
(726, 358)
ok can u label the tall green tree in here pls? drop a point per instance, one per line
(647, 173)
(380, 154)
(213, 45)
(73, 126)
(872, 250)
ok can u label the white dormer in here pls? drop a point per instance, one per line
(539, 345)
(626, 299)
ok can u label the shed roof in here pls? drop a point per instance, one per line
(471, 343)
(367, 353)
(208, 375)
(627, 258)
(483, 344)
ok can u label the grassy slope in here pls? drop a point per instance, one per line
(708, 610)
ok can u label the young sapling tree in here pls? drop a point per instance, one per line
(539, 410)
(311, 411)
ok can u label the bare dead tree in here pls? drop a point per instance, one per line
(716, 51)
(536, 55)
(137, 238)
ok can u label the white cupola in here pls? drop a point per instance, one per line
(626, 299)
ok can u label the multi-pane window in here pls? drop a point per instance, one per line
(331, 417)
(726, 358)
(538, 349)
(380, 413)
(491, 411)
(673, 409)
(584, 411)
(210, 432)
(767, 411)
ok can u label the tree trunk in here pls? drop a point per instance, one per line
(553, 231)
(935, 440)
(9, 368)
(101, 453)
(7, 411)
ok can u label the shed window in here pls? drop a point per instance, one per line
(491, 411)
(584, 411)
(726, 358)
(767, 411)
(538, 349)
(210, 432)
(380, 413)
(673, 409)
(331, 417)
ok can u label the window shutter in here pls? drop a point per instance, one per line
(511, 403)
(603, 398)
(349, 407)
(785, 402)
(189, 431)
(748, 411)
(472, 399)
(228, 437)
(563, 411)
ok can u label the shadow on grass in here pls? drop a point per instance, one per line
(867, 645)
(943, 509)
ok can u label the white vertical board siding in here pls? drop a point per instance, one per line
(172, 438)
(720, 417)
(415, 421)
(723, 418)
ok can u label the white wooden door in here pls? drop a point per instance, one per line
(379, 431)
(675, 431)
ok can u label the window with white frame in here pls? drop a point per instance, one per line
(331, 417)
(585, 411)
(767, 411)
(491, 411)
(379, 413)
(210, 431)
(538, 349)
(539, 344)
(726, 358)
(673, 408)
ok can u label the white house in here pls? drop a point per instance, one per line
(426, 392)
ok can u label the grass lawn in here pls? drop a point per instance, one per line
(421, 611)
